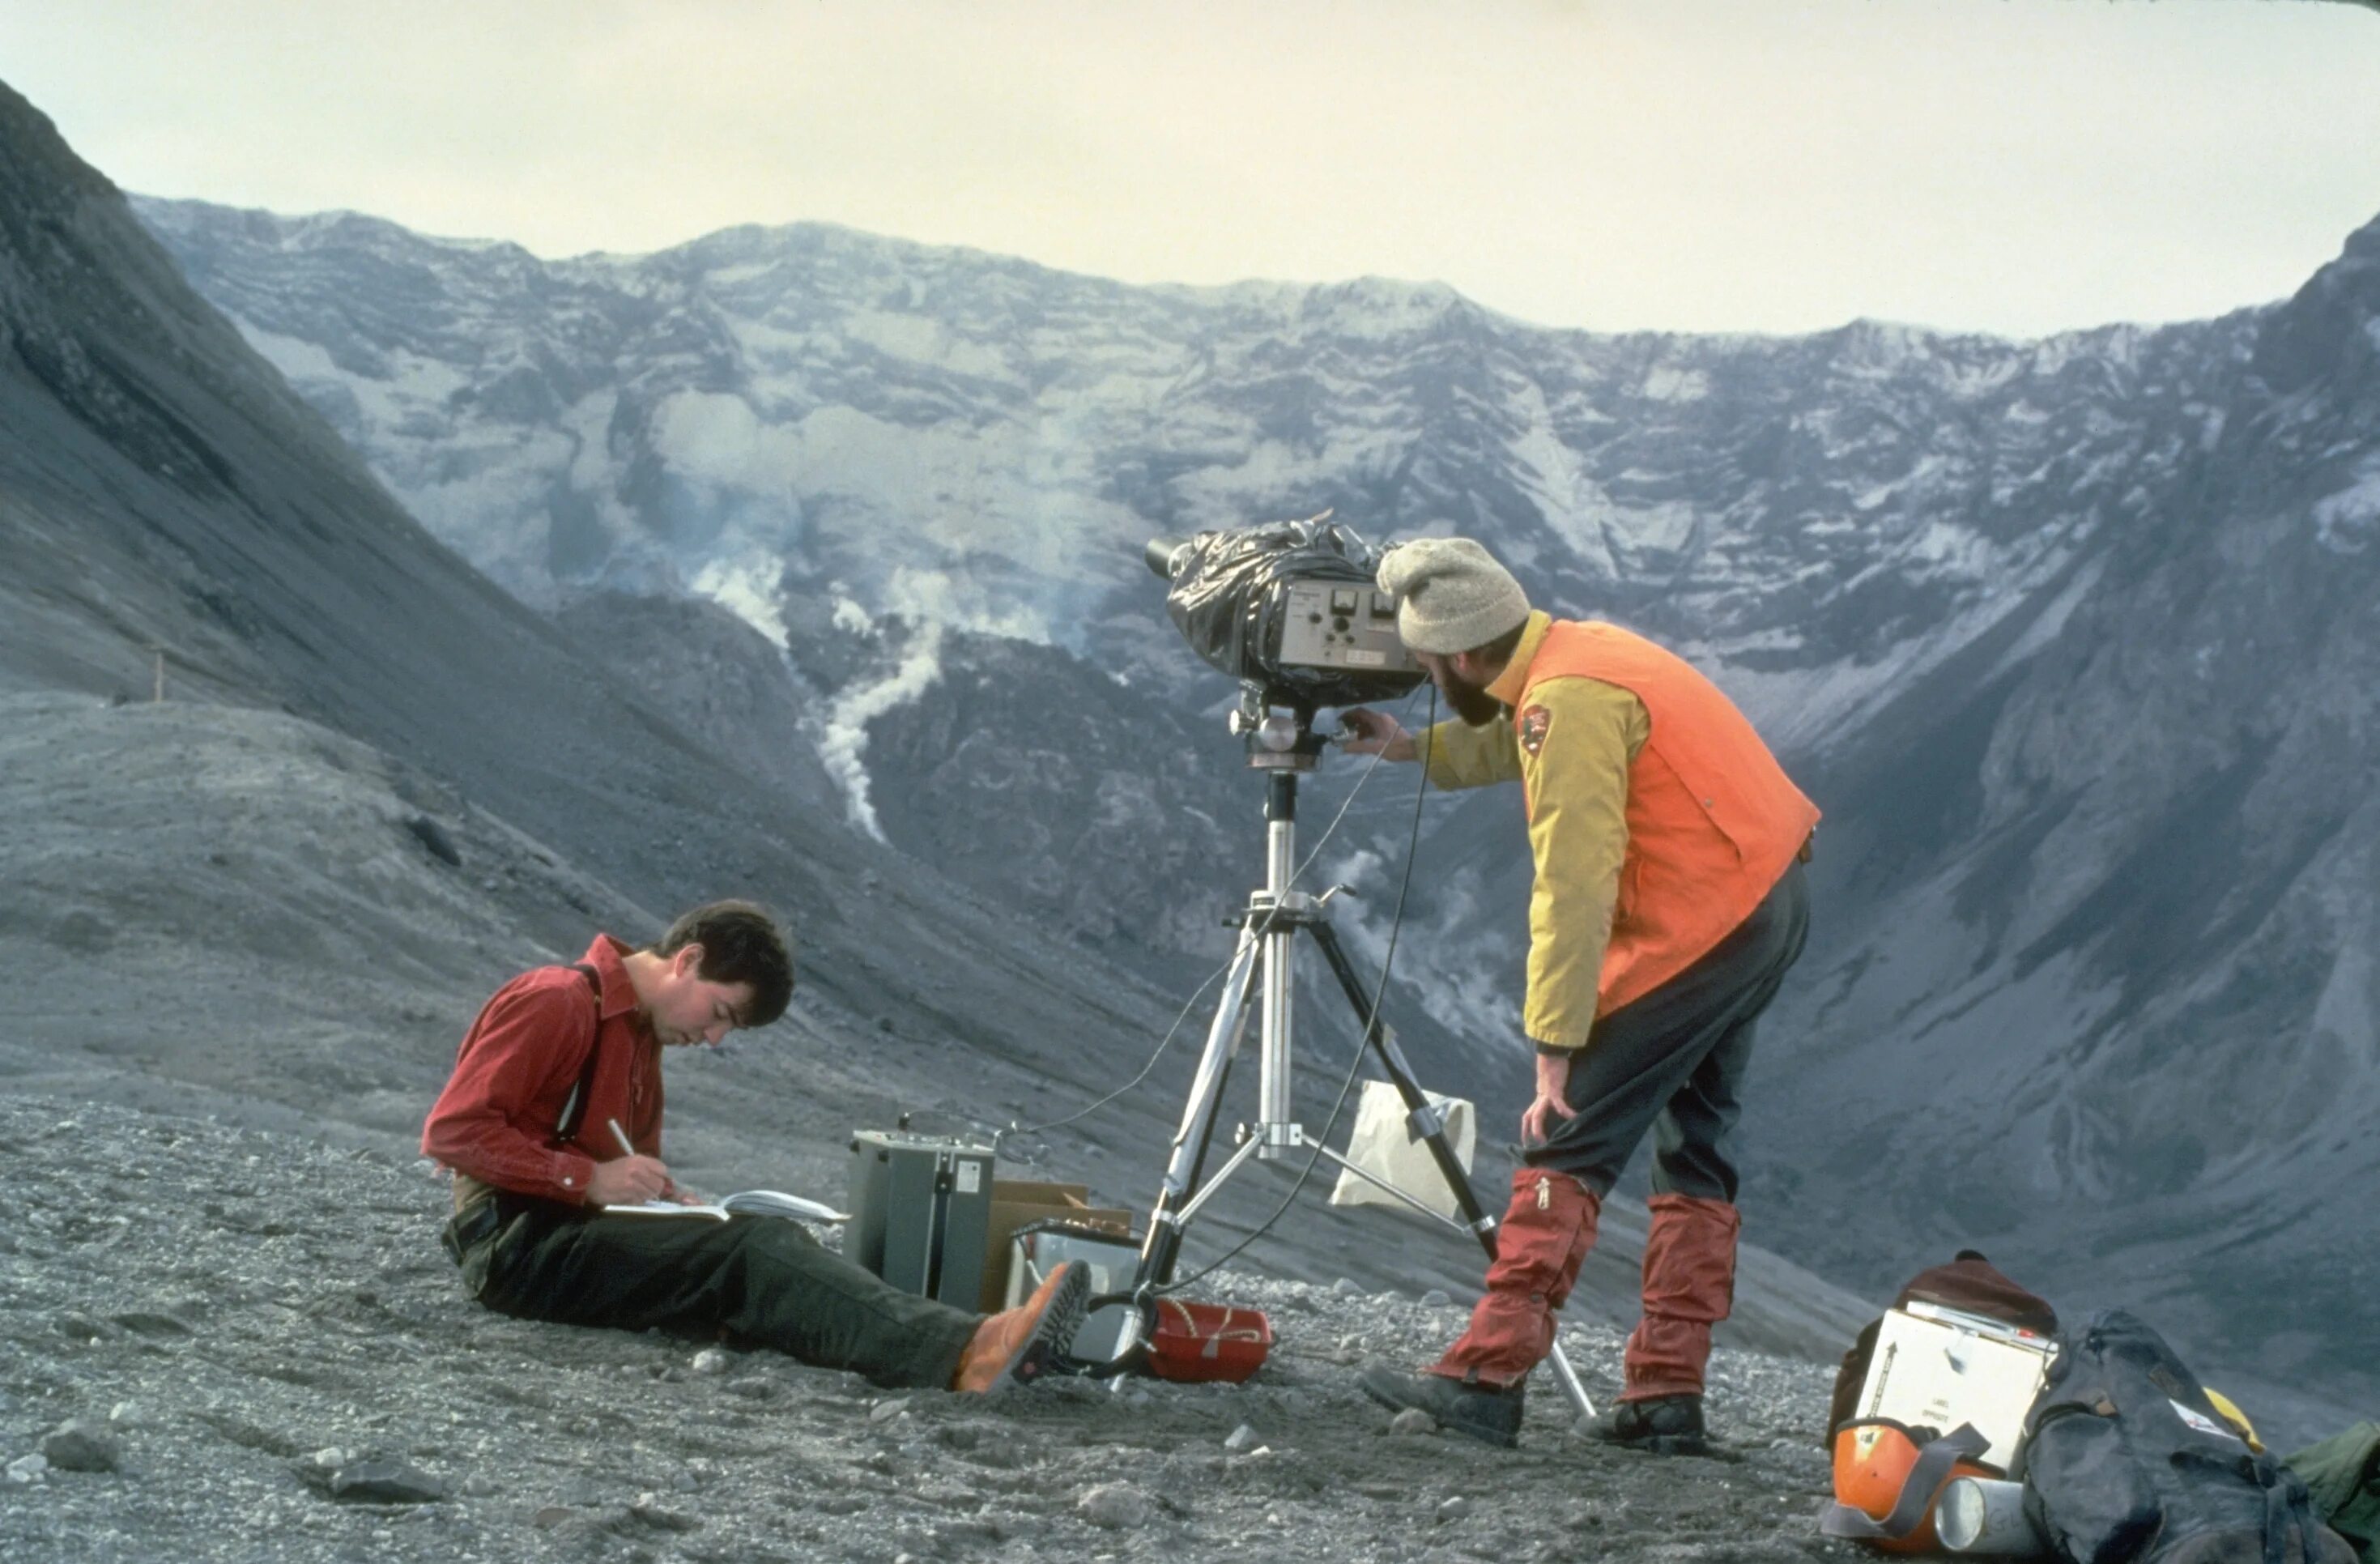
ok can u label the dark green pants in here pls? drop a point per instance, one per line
(761, 1279)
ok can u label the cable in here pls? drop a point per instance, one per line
(1348, 802)
(1167, 1041)
(1162, 1043)
(1355, 1065)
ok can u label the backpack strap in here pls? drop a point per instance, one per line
(2289, 1506)
(1927, 1475)
(574, 1107)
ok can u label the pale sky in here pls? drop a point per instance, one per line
(2010, 165)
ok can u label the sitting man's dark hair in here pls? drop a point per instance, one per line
(740, 943)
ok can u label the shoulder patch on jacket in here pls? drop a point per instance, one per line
(1533, 726)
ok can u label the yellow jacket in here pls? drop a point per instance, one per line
(1578, 826)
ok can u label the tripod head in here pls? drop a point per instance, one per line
(1277, 735)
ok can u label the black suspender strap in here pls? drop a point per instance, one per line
(574, 1107)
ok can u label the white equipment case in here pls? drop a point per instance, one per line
(1937, 1368)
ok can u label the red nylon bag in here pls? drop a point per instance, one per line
(1201, 1342)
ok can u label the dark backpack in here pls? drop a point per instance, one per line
(2126, 1461)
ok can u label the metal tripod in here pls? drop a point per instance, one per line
(1275, 916)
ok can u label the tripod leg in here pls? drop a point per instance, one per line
(1222, 1084)
(1567, 1378)
(1424, 1117)
(1163, 1245)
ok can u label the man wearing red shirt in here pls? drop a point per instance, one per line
(563, 1064)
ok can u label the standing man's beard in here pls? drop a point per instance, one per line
(1470, 703)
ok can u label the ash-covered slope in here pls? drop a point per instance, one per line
(164, 488)
(2097, 982)
(379, 784)
(252, 1321)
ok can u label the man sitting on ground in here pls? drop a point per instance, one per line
(564, 1065)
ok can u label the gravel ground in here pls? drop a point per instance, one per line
(256, 1341)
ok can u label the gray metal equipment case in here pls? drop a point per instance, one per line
(920, 1213)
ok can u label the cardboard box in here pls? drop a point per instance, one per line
(1015, 1202)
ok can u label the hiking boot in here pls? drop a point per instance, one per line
(1015, 1345)
(1486, 1413)
(1663, 1424)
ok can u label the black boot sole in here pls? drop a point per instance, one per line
(1500, 1438)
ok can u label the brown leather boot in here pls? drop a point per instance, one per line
(1015, 1345)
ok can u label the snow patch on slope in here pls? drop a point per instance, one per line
(2344, 522)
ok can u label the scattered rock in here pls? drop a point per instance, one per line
(648, 1510)
(124, 1414)
(752, 1386)
(1413, 1420)
(549, 1516)
(78, 1445)
(1455, 1508)
(885, 1411)
(1116, 1505)
(1435, 1298)
(711, 1360)
(78, 1327)
(435, 841)
(381, 1481)
(1241, 1438)
(1346, 1289)
(29, 1468)
(479, 1484)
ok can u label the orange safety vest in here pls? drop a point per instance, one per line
(1713, 820)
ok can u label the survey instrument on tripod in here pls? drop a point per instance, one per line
(1262, 604)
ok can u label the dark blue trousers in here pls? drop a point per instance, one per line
(1673, 1061)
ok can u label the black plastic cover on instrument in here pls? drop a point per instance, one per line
(1228, 599)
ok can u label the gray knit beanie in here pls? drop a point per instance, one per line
(1451, 595)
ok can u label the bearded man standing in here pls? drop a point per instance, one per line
(1668, 903)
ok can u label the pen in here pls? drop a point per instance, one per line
(627, 1148)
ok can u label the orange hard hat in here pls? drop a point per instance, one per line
(1873, 1460)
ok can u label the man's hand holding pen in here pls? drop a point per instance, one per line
(629, 1179)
